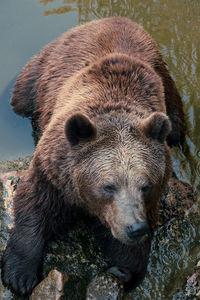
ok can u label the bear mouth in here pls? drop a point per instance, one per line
(137, 241)
(124, 239)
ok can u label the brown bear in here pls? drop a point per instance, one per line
(105, 107)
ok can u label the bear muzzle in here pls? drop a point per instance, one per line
(138, 231)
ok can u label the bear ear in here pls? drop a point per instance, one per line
(78, 129)
(157, 126)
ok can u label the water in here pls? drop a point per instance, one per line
(27, 25)
(174, 251)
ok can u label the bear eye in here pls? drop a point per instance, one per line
(146, 188)
(109, 188)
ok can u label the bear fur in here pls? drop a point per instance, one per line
(105, 108)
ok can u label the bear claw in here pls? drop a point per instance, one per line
(123, 275)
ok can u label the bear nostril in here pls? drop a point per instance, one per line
(137, 230)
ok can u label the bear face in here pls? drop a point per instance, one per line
(116, 172)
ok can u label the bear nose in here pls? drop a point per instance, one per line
(137, 230)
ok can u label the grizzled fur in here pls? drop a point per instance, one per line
(104, 104)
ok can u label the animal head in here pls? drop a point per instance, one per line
(120, 169)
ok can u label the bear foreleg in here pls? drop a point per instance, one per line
(36, 207)
(128, 261)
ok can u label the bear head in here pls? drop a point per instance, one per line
(120, 168)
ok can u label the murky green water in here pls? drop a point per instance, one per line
(174, 251)
(27, 25)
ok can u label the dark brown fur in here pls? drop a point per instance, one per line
(100, 95)
(37, 87)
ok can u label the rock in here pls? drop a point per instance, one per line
(193, 285)
(20, 164)
(5, 294)
(174, 250)
(179, 200)
(191, 290)
(105, 287)
(9, 182)
(51, 288)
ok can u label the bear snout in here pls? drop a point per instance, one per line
(138, 230)
(136, 233)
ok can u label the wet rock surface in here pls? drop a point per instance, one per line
(191, 290)
(18, 165)
(173, 270)
(180, 199)
(104, 287)
(51, 288)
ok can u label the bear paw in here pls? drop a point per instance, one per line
(124, 275)
(18, 275)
